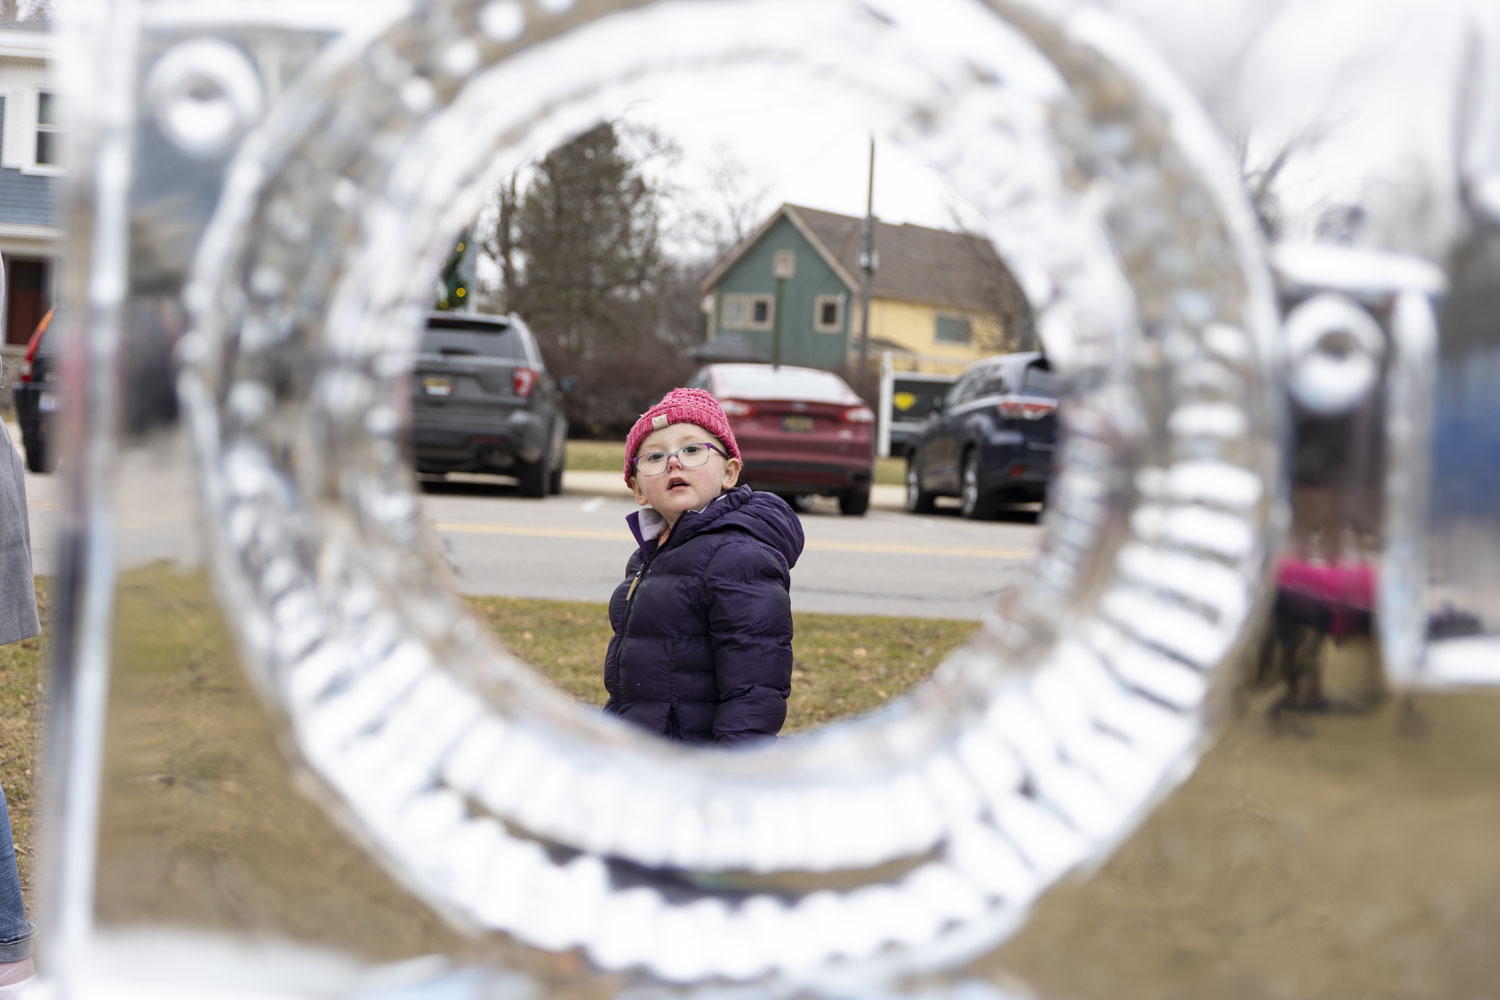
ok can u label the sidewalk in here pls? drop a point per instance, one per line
(612, 484)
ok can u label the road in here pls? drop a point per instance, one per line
(574, 547)
(886, 563)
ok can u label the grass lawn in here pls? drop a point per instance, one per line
(609, 456)
(21, 736)
(202, 825)
(845, 664)
(1347, 860)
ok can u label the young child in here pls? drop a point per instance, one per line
(702, 650)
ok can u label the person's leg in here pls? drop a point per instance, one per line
(1335, 524)
(1304, 521)
(15, 929)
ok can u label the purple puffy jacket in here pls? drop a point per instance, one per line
(702, 650)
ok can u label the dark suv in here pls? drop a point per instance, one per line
(990, 439)
(37, 399)
(482, 401)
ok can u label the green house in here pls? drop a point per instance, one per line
(939, 298)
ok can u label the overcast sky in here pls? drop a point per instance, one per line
(1367, 90)
(1363, 89)
(774, 151)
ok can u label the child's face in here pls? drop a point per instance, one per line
(679, 489)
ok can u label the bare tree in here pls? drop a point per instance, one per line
(1000, 294)
(740, 202)
(1260, 184)
(503, 246)
(577, 242)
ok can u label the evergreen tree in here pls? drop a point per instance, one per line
(586, 229)
(581, 261)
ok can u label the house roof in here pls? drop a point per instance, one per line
(913, 263)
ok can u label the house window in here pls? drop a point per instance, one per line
(734, 312)
(828, 314)
(747, 312)
(48, 130)
(760, 312)
(953, 330)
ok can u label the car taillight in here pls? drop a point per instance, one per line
(735, 408)
(522, 381)
(859, 415)
(26, 370)
(1026, 409)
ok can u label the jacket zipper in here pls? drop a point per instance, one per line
(629, 607)
(630, 601)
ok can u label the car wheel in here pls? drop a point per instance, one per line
(918, 500)
(855, 503)
(534, 478)
(974, 503)
(554, 483)
(800, 502)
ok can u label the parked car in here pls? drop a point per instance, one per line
(991, 438)
(37, 399)
(482, 401)
(800, 430)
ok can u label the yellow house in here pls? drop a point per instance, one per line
(938, 299)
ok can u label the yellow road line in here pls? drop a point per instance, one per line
(880, 548)
(532, 531)
(920, 550)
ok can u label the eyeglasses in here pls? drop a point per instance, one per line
(689, 456)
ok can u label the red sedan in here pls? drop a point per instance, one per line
(801, 430)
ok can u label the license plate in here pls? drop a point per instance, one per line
(435, 386)
(47, 402)
(799, 424)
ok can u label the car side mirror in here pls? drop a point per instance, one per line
(568, 383)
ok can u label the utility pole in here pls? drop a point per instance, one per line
(776, 326)
(783, 266)
(867, 264)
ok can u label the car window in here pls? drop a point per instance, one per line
(460, 337)
(765, 382)
(977, 384)
(1041, 380)
(962, 390)
(994, 384)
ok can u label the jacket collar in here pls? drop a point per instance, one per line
(647, 525)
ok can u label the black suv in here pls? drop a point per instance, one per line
(37, 399)
(482, 401)
(990, 438)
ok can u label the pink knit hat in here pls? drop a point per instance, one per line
(680, 406)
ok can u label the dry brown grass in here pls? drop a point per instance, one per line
(21, 707)
(1351, 861)
(845, 664)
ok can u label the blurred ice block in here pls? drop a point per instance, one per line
(1465, 531)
